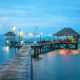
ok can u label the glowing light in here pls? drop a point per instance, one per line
(30, 34)
(7, 41)
(35, 43)
(13, 28)
(38, 35)
(6, 48)
(22, 42)
(20, 33)
(49, 35)
(41, 33)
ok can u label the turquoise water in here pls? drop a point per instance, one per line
(57, 65)
(5, 52)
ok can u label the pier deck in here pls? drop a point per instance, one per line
(47, 47)
(19, 67)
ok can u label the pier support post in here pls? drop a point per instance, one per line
(76, 45)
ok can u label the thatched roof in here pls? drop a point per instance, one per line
(66, 32)
(9, 34)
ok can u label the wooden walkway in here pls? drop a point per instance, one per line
(19, 67)
(47, 47)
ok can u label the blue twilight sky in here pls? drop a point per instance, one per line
(48, 15)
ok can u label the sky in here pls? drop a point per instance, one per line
(49, 16)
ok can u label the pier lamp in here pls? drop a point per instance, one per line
(20, 35)
(30, 34)
(13, 28)
(35, 42)
(41, 33)
(49, 35)
(22, 42)
(7, 41)
(38, 36)
(25, 37)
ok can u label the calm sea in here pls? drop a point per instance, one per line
(5, 52)
(56, 65)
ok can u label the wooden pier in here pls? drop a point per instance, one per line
(19, 67)
(47, 47)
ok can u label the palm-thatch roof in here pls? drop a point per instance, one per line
(9, 34)
(66, 32)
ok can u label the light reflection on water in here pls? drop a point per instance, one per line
(67, 51)
(61, 64)
(74, 51)
(6, 49)
(63, 52)
(5, 54)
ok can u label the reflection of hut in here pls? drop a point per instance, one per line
(10, 36)
(67, 32)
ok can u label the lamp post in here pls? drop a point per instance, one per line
(30, 34)
(35, 42)
(20, 36)
(38, 36)
(13, 29)
(21, 33)
(49, 36)
(41, 33)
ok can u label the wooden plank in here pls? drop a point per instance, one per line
(19, 68)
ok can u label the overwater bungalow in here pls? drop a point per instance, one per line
(68, 42)
(10, 38)
(68, 32)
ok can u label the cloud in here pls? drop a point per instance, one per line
(25, 6)
(47, 20)
(3, 18)
(8, 12)
(68, 7)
